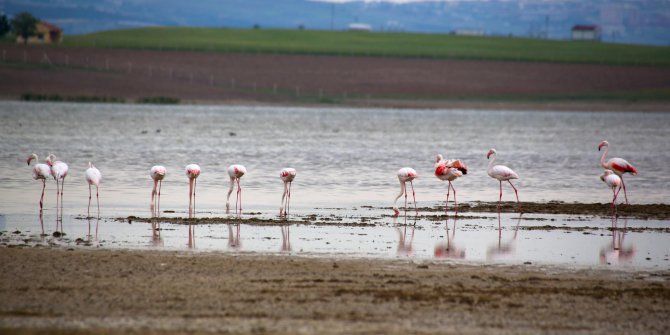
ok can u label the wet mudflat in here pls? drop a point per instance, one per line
(114, 292)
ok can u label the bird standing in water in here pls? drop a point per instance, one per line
(93, 177)
(287, 175)
(502, 173)
(618, 165)
(59, 172)
(405, 175)
(449, 170)
(40, 172)
(157, 173)
(192, 172)
(613, 181)
(235, 172)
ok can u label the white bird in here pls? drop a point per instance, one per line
(235, 172)
(287, 175)
(449, 170)
(40, 171)
(93, 177)
(59, 172)
(618, 165)
(405, 175)
(157, 173)
(613, 181)
(192, 172)
(502, 173)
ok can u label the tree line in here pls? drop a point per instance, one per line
(22, 24)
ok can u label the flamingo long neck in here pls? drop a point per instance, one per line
(603, 162)
(491, 163)
(232, 185)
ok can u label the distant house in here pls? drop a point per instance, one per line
(45, 32)
(468, 32)
(582, 32)
(359, 27)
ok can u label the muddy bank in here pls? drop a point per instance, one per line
(645, 212)
(114, 292)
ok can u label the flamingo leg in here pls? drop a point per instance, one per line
(153, 198)
(158, 207)
(62, 186)
(446, 205)
(455, 203)
(288, 203)
(405, 191)
(414, 197)
(499, 200)
(195, 183)
(97, 199)
(239, 191)
(517, 195)
(190, 192)
(282, 207)
(89, 206)
(624, 189)
(44, 185)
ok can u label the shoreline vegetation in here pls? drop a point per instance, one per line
(167, 292)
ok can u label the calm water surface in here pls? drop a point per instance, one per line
(346, 158)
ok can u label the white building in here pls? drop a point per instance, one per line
(585, 33)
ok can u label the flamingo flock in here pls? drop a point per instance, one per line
(445, 170)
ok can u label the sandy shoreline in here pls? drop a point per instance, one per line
(103, 291)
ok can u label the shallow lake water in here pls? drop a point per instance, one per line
(346, 160)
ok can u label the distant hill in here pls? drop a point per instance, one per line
(628, 21)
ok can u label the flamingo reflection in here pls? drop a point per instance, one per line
(503, 248)
(234, 241)
(448, 249)
(191, 236)
(285, 238)
(156, 238)
(405, 247)
(616, 252)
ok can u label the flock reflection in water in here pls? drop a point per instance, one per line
(446, 246)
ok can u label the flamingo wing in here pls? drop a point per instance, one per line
(93, 176)
(502, 172)
(458, 164)
(621, 166)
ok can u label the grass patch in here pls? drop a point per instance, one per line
(75, 98)
(158, 100)
(378, 44)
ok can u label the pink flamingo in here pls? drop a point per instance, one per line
(93, 177)
(618, 165)
(157, 173)
(502, 173)
(449, 170)
(287, 175)
(405, 175)
(235, 172)
(59, 172)
(613, 181)
(192, 172)
(40, 171)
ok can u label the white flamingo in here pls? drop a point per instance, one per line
(93, 177)
(502, 173)
(157, 173)
(235, 172)
(613, 181)
(40, 172)
(405, 175)
(618, 165)
(59, 172)
(287, 175)
(192, 172)
(449, 170)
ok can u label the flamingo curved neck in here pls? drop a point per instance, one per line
(603, 162)
(491, 163)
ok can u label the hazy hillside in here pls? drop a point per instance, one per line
(631, 21)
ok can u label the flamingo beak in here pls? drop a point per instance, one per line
(488, 155)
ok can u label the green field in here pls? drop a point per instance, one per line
(439, 46)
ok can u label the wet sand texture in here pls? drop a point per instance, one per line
(113, 292)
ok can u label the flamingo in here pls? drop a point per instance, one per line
(502, 173)
(157, 173)
(192, 172)
(59, 172)
(93, 177)
(287, 175)
(40, 171)
(449, 170)
(613, 181)
(618, 165)
(235, 172)
(405, 175)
